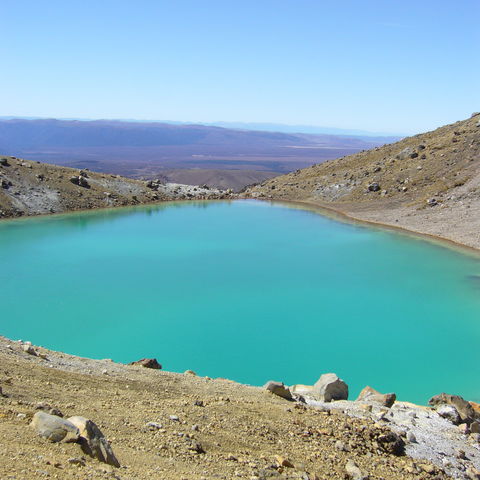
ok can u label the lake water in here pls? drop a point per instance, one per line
(249, 291)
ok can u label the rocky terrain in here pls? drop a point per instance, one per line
(34, 188)
(428, 183)
(164, 425)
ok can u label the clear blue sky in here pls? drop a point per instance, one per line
(382, 65)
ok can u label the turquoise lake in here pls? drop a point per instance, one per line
(246, 290)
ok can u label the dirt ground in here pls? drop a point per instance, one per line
(207, 428)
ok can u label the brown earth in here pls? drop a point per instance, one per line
(233, 430)
(428, 183)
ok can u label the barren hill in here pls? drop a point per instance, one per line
(33, 188)
(429, 183)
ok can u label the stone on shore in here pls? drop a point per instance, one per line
(464, 408)
(53, 428)
(369, 394)
(27, 348)
(449, 412)
(279, 389)
(147, 363)
(93, 442)
(329, 387)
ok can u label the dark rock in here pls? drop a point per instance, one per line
(147, 363)
(93, 442)
(4, 162)
(80, 181)
(432, 202)
(392, 443)
(5, 184)
(374, 187)
(279, 389)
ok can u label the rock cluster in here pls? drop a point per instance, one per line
(75, 429)
(147, 363)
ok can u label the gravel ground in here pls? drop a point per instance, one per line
(202, 428)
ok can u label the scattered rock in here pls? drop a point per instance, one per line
(154, 426)
(79, 461)
(449, 412)
(353, 472)
(329, 387)
(93, 442)
(432, 202)
(54, 428)
(283, 462)
(190, 372)
(27, 348)
(147, 363)
(279, 389)
(368, 394)
(464, 408)
(374, 187)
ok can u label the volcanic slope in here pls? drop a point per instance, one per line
(428, 183)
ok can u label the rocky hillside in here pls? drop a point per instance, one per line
(131, 422)
(33, 188)
(428, 183)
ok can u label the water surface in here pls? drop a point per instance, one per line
(249, 291)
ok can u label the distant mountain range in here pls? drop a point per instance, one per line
(146, 149)
(257, 126)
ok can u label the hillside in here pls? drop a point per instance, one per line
(34, 188)
(171, 426)
(429, 183)
(147, 149)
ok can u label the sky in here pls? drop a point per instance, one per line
(399, 67)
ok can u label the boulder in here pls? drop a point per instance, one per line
(329, 387)
(369, 394)
(93, 442)
(27, 348)
(147, 363)
(464, 408)
(374, 187)
(279, 389)
(408, 152)
(449, 412)
(53, 428)
(475, 427)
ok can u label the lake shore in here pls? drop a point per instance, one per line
(242, 429)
